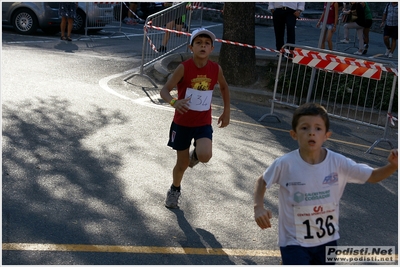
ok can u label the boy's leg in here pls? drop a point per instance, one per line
(180, 139)
(182, 162)
(204, 149)
(173, 194)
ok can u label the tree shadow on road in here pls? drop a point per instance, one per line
(56, 188)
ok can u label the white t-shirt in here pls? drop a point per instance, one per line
(309, 195)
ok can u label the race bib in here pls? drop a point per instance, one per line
(199, 100)
(316, 224)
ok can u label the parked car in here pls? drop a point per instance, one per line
(27, 17)
(98, 14)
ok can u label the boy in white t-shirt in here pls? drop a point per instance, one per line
(312, 179)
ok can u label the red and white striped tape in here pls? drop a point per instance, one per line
(392, 119)
(216, 39)
(315, 59)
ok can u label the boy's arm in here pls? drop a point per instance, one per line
(223, 86)
(384, 172)
(180, 105)
(261, 215)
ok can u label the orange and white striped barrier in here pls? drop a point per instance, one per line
(340, 64)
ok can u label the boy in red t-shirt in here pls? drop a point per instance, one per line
(195, 79)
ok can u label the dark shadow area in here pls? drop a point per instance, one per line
(66, 46)
(198, 238)
(56, 189)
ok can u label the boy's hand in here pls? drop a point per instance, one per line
(182, 105)
(393, 157)
(262, 217)
(223, 120)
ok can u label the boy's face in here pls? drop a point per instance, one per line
(310, 133)
(202, 46)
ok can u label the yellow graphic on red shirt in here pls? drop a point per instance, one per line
(201, 83)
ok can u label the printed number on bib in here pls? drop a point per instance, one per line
(316, 224)
(199, 100)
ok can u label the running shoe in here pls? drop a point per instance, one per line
(172, 199)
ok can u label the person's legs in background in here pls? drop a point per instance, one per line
(63, 25)
(393, 44)
(329, 34)
(133, 8)
(70, 27)
(290, 21)
(346, 28)
(129, 19)
(390, 35)
(360, 40)
(279, 28)
(368, 24)
(163, 48)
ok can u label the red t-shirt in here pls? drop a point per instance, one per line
(203, 79)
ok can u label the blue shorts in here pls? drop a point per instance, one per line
(180, 137)
(298, 255)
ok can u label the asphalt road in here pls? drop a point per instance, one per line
(86, 168)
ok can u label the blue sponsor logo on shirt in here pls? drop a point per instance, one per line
(331, 179)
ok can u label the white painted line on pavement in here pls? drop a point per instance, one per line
(104, 84)
(141, 101)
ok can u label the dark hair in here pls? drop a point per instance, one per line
(204, 36)
(312, 109)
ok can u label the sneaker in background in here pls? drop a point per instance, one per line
(387, 52)
(344, 41)
(390, 55)
(172, 199)
(365, 49)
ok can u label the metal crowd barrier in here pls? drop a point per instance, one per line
(164, 25)
(350, 88)
(100, 15)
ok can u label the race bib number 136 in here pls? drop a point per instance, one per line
(316, 224)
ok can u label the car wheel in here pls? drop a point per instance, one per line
(24, 21)
(79, 22)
